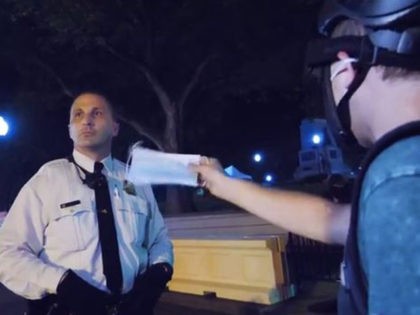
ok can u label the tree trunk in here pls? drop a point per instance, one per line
(179, 199)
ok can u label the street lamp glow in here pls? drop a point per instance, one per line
(4, 127)
(257, 157)
(316, 139)
(268, 178)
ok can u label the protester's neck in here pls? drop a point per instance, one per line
(403, 110)
(95, 155)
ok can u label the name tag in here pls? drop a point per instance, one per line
(69, 204)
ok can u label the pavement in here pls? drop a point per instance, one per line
(172, 303)
(310, 293)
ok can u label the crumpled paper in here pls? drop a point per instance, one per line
(158, 168)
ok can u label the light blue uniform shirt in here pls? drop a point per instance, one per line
(52, 226)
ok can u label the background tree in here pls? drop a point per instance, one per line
(175, 68)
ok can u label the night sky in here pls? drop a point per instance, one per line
(251, 96)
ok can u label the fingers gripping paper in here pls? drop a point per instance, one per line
(154, 167)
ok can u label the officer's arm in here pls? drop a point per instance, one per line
(21, 240)
(159, 246)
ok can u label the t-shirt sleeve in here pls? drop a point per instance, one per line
(389, 243)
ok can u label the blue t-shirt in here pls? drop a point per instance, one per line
(389, 229)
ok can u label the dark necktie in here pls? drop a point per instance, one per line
(107, 232)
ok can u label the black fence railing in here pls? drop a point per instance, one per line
(311, 260)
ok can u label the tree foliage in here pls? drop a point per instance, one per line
(173, 67)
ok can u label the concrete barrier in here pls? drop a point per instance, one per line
(249, 270)
(231, 255)
(221, 224)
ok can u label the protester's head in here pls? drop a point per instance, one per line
(369, 43)
(92, 124)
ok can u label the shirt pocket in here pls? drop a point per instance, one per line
(133, 215)
(72, 228)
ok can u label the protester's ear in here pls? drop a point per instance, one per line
(348, 73)
(342, 74)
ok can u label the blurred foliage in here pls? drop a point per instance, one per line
(252, 75)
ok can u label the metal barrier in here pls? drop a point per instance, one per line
(311, 260)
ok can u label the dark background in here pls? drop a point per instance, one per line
(251, 95)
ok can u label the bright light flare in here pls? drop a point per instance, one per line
(316, 139)
(4, 127)
(257, 157)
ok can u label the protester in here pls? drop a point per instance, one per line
(371, 72)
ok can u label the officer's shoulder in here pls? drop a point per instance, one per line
(54, 165)
(50, 172)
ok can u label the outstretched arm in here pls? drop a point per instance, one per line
(300, 213)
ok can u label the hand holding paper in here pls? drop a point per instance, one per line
(155, 167)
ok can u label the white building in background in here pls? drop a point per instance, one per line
(319, 154)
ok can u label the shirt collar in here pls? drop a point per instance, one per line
(87, 163)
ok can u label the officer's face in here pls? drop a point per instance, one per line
(92, 126)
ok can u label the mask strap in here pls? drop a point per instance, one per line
(130, 156)
(344, 62)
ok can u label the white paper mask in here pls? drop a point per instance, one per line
(155, 167)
